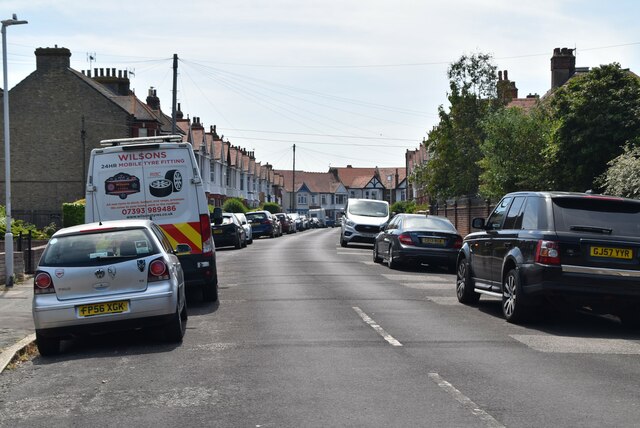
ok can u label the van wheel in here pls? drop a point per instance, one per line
(47, 346)
(210, 291)
(343, 243)
(175, 177)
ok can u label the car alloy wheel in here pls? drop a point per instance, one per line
(390, 261)
(376, 257)
(464, 284)
(514, 308)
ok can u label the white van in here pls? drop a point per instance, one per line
(156, 178)
(320, 214)
(362, 220)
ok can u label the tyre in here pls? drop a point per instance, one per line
(238, 244)
(343, 243)
(47, 346)
(376, 257)
(175, 177)
(464, 284)
(393, 264)
(175, 329)
(514, 305)
(210, 291)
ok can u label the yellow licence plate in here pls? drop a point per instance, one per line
(612, 253)
(433, 241)
(102, 308)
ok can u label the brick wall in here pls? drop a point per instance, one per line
(48, 160)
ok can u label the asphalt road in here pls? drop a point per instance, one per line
(309, 334)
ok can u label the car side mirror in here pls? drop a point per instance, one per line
(478, 223)
(183, 248)
(216, 216)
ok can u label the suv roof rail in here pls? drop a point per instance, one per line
(142, 140)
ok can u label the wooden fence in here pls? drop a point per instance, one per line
(462, 211)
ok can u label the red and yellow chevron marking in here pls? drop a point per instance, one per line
(184, 233)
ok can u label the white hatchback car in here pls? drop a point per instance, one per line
(114, 275)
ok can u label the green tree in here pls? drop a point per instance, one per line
(454, 144)
(513, 151)
(623, 176)
(234, 205)
(597, 113)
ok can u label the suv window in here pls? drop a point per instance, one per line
(534, 215)
(514, 216)
(598, 215)
(495, 221)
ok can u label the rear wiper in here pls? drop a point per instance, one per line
(592, 229)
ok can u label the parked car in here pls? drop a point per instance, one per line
(285, 223)
(416, 238)
(298, 220)
(106, 276)
(228, 231)
(294, 226)
(574, 248)
(263, 223)
(247, 227)
(362, 220)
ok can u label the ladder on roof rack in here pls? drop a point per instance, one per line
(142, 140)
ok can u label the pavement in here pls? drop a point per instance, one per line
(16, 321)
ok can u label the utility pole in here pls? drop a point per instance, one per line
(83, 138)
(293, 189)
(175, 95)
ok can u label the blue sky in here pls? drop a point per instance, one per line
(348, 81)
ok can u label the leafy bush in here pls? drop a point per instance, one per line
(403, 207)
(234, 205)
(272, 207)
(72, 213)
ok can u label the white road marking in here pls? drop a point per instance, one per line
(386, 336)
(578, 345)
(466, 402)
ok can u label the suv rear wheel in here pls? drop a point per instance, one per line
(464, 284)
(514, 306)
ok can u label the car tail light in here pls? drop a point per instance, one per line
(457, 244)
(405, 239)
(158, 271)
(43, 284)
(205, 230)
(547, 253)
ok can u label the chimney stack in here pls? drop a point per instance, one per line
(563, 66)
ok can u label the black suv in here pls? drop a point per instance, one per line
(536, 246)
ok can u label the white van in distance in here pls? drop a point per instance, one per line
(156, 178)
(362, 220)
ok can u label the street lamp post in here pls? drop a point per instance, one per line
(8, 237)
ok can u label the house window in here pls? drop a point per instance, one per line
(213, 172)
(366, 194)
(302, 198)
(352, 194)
(339, 199)
(313, 200)
(242, 182)
(403, 195)
(323, 200)
(142, 132)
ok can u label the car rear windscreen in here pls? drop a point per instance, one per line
(598, 215)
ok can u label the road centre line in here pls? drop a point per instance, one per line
(386, 336)
(466, 402)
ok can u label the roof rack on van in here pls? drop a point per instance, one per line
(142, 140)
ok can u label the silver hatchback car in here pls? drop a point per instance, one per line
(114, 275)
